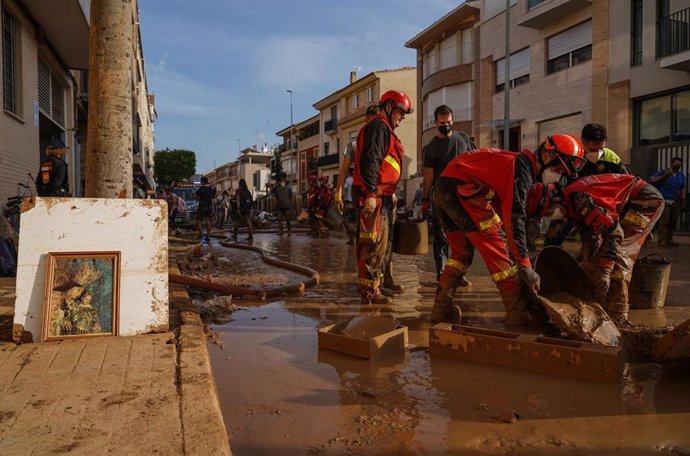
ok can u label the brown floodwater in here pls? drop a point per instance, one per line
(281, 395)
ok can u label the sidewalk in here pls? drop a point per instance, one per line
(141, 395)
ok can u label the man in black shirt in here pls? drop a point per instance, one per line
(205, 196)
(52, 179)
(443, 148)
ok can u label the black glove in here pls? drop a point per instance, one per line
(530, 277)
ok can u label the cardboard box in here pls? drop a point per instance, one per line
(389, 344)
(534, 353)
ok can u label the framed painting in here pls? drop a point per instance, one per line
(82, 295)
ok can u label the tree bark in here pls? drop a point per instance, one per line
(109, 136)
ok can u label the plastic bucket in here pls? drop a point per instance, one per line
(333, 219)
(411, 237)
(649, 282)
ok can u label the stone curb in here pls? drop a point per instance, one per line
(202, 421)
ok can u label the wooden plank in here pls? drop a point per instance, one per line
(538, 354)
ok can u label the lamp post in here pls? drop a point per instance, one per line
(506, 84)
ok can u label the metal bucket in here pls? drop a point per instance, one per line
(333, 219)
(649, 282)
(411, 237)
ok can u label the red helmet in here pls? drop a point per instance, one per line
(323, 179)
(400, 99)
(569, 151)
(541, 197)
(312, 178)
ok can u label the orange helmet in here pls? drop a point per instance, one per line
(399, 99)
(568, 150)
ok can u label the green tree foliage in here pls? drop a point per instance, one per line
(174, 165)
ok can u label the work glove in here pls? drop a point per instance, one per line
(338, 202)
(369, 206)
(530, 277)
(425, 208)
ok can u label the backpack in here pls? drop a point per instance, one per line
(44, 174)
(8, 258)
(246, 201)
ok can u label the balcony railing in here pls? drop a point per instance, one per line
(673, 33)
(328, 160)
(331, 125)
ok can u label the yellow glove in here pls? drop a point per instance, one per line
(369, 206)
(338, 200)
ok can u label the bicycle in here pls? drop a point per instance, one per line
(12, 208)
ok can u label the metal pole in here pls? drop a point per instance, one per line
(506, 84)
(239, 149)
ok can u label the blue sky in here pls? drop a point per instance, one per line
(220, 68)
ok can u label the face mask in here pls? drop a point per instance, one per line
(676, 167)
(549, 176)
(557, 214)
(594, 156)
(445, 129)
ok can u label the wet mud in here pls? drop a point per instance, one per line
(281, 395)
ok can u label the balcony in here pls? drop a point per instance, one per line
(328, 160)
(542, 13)
(330, 126)
(673, 41)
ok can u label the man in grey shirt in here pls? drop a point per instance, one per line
(283, 195)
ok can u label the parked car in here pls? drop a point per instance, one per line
(186, 191)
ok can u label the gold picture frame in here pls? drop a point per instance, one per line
(82, 295)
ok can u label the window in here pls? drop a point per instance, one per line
(355, 101)
(10, 31)
(569, 48)
(458, 97)
(429, 64)
(334, 113)
(370, 94)
(636, 32)
(519, 70)
(449, 52)
(664, 119)
(337, 145)
(467, 49)
(532, 3)
(326, 147)
(51, 94)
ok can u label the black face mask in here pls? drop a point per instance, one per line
(445, 129)
(676, 167)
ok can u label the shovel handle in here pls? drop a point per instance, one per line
(644, 258)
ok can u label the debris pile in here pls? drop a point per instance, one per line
(222, 270)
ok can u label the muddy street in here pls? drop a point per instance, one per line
(280, 394)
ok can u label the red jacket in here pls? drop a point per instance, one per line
(597, 201)
(505, 178)
(378, 158)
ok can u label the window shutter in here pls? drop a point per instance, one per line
(570, 40)
(567, 124)
(449, 49)
(459, 98)
(467, 50)
(519, 66)
(51, 94)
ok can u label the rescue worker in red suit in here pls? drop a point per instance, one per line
(312, 204)
(621, 210)
(378, 164)
(478, 193)
(323, 204)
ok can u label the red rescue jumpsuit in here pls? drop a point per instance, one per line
(622, 209)
(378, 164)
(479, 192)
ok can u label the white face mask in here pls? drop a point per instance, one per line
(557, 214)
(594, 156)
(549, 176)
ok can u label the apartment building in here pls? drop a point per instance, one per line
(297, 155)
(446, 70)
(40, 45)
(288, 156)
(341, 115)
(44, 84)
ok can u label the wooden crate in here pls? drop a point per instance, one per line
(534, 353)
(390, 344)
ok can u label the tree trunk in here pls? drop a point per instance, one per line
(109, 137)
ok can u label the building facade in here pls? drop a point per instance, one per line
(341, 115)
(44, 59)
